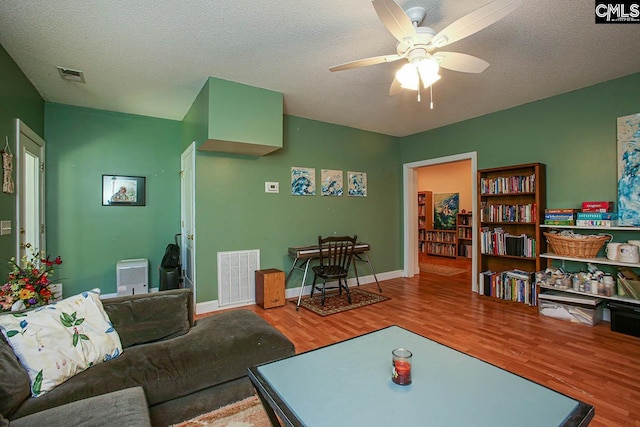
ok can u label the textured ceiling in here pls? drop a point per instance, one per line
(151, 57)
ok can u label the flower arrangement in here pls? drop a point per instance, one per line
(28, 285)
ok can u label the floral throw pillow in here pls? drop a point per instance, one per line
(57, 341)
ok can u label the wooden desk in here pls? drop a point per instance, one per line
(303, 255)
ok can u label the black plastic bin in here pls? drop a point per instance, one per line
(625, 318)
(169, 278)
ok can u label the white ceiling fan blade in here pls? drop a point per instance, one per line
(365, 62)
(475, 21)
(460, 62)
(395, 87)
(394, 18)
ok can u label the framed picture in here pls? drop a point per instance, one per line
(628, 164)
(332, 182)
(303, 181)
(445, 210)
(118, 190)
(357, 183)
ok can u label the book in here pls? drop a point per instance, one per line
(597, 215)
(561, 210)
(594, 223)
(559, 222)
(559, 217)
(597, 206)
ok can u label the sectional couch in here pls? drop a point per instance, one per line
(184, 367)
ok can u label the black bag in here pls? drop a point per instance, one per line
(171, 258)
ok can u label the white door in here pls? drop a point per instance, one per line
(187, 214)
(30, 172)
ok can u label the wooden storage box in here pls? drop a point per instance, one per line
(270, 288)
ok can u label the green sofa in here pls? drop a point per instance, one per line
(185, 367)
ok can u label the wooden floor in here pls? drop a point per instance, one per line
(591, 364)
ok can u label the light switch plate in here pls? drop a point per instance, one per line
(5, 228)
(271, 187)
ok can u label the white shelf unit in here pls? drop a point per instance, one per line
(613, 297)
(597, 260)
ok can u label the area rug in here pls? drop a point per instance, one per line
(246, 413)
(335, 303)
(442, 270)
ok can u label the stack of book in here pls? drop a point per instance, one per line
(596, 219)
(593, 214)
(508, 185)
(597, 206)
(508, 213)
(560, 216)
(500, 242)
(513, 285)
(597, 214)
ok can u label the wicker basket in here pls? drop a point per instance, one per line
(578, 248)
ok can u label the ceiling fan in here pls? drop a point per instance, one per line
(419, 45)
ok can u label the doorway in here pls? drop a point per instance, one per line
(410, 188)
(30, 179)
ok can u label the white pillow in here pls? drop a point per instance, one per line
(57, 341)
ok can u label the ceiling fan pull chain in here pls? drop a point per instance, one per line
(431, 95)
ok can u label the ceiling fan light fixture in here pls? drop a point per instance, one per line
(410, 74)
(408, 77)
(428, 80)
(428, 69)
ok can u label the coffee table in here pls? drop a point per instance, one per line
(349, 384)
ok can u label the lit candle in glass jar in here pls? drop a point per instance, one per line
(401, 360)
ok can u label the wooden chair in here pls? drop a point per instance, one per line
(336, 253)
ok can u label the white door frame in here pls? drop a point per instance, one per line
(24, 132)
(188, 237)
(410, 203)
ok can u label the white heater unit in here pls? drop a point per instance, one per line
(132, 276)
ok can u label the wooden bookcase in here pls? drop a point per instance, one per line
(425, 219)
(442, 243)
(464, 229)
(512, 201)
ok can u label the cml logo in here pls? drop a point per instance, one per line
(624, 12)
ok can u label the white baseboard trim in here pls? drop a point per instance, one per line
(207, 307)
(364, 280)
(210, 306)
(107, 296)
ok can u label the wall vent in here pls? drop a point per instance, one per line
(237, 277)
(71, 75)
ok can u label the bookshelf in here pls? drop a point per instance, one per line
(512, 201)
(464, 229)
(442, 243)
(425, 219)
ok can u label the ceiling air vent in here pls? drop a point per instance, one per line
(71, 75)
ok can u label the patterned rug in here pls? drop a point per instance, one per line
(335, 303)
(442, 270)
(246, 413)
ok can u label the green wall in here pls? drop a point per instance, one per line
(574, 134)
(82, 145)
(18, 100)
(234, 213)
